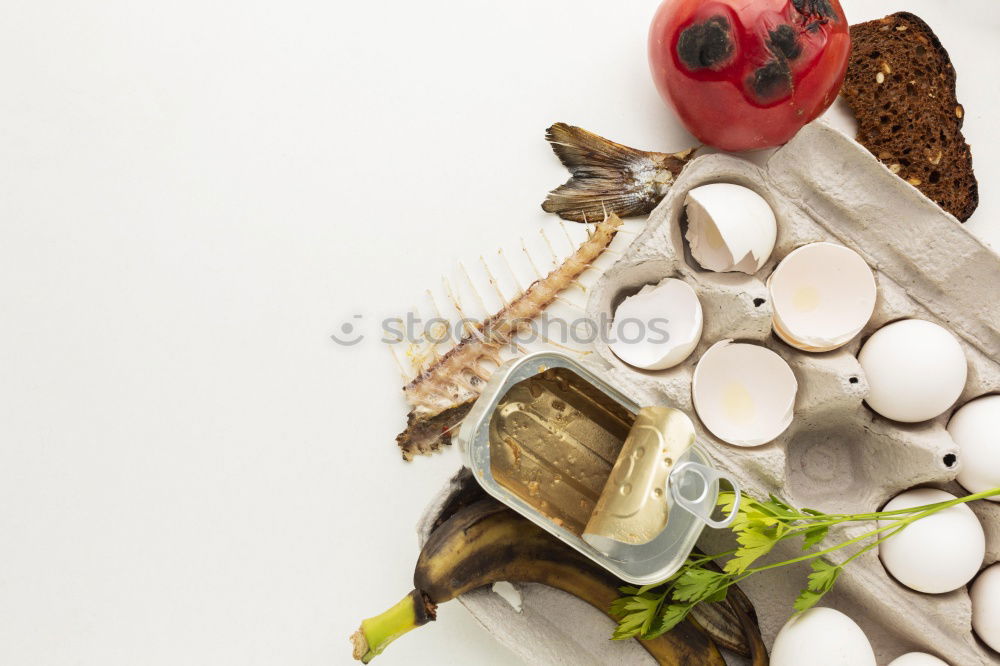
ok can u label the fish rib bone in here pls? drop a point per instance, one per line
(456, 378)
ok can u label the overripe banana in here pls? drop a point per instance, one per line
(485, 543)
(732, 624)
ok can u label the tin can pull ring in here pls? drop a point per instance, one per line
(696, 506)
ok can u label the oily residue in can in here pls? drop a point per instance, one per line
(553, 441)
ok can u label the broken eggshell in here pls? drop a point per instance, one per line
(667, 321)
(823, 294)
(729, 228)
(743, 393)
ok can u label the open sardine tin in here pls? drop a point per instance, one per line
(623, 484)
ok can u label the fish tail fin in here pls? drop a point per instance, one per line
(607, 177)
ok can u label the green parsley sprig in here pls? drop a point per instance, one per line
(651, 610)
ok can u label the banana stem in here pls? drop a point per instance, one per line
(375, 634)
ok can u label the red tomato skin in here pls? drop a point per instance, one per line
(717, 105)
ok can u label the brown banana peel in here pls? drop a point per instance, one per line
(485, 543)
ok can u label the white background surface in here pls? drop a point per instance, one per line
(193, 197)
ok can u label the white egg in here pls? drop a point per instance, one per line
(822, 294)
(821, 637)
(743, 393)
(917, 659)
(975, 427)
(936, 554)
(985, 594)
(916, 370)
(658, 327)
(730, 227)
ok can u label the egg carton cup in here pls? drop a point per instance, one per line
(837, 455)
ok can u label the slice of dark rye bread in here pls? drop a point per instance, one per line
(901, 86)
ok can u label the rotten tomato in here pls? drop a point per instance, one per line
(745, 74)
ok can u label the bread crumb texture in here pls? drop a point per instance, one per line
(901, 86)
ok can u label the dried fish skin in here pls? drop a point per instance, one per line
(457, 377)
(424, 435)
(608, 177)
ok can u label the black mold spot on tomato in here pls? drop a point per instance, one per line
(783, 41)
(821, 8)
(816, 25)
(772, 81)
(706, 45)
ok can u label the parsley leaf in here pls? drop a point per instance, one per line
(821, 581)
(697, 584)
(636, 615)
(824, 575)
(814, 535)
(753, 544)
(669, 618)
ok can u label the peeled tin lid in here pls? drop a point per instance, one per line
(648, 477)
(633, 506)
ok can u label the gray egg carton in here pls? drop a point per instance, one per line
(837, 455)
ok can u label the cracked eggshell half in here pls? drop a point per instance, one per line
(936, 554)
(658, 327)
(823, 294)
(729, 227)
(916, 370)
(743, 393)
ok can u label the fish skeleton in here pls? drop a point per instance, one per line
(441, 395)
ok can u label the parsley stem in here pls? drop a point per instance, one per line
(709, 558)
(812, 556)
(880, 515)
(770, 522)
(873, 545)
(916, 513)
